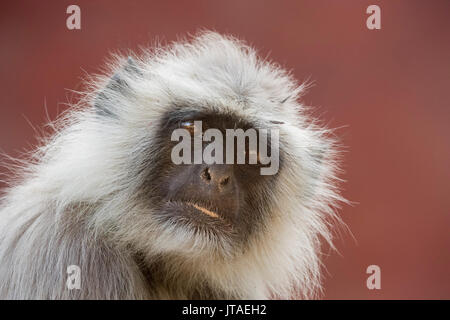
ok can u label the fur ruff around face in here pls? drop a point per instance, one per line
(84, 197)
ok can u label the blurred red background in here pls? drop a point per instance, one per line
(388, 88)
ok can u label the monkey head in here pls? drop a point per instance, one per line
(227, 215)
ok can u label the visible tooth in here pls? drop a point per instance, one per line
(205, 211)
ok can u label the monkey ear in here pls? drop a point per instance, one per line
(317, 155)
(285, 99)
(106, 99)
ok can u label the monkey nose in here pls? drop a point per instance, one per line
(217, 176)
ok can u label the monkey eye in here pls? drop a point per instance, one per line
(254, 154)
(188, 125)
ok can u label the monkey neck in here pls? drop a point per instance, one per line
(164, 281)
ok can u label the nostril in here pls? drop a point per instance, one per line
(206, 175)
(224, 181)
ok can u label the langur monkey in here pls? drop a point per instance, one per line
(103, 194)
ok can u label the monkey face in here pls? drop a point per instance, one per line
(228, 201)
(207, 208)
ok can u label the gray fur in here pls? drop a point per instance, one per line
(78, 201)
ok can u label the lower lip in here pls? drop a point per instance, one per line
(205, 211)
(204, 215)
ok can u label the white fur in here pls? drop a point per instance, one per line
(82, 183)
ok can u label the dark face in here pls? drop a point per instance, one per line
(229, 200)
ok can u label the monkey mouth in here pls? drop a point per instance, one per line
(198, 211)
(205, 210)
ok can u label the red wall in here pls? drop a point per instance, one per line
(387, 89)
